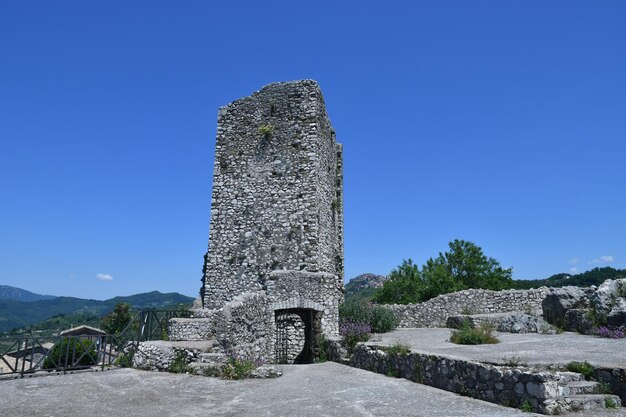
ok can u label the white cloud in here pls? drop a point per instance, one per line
(104, 277)
(604, 259)
(573, 261)
(573, 270)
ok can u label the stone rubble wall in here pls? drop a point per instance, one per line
(435, 312)
(190, 329)
(497, 384)
(277, 192)
(158, 356)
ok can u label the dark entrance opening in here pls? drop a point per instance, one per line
(296, 335)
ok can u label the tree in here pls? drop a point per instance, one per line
(466, 266)
(118, 319)
(404, 285)
(463, 266)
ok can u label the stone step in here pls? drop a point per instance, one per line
(210, 358)
(583, 402)
(582, 387)
(565, 377)
(206, 369)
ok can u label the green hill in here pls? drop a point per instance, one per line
(18, 314)
(13, 293)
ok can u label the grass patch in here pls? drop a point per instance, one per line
(468, 335)
(526, 407)
(398, 349)
(583, 368)
(609, 403)
(604, 388)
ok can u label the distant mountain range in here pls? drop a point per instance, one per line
(16, 312)
(18, 294)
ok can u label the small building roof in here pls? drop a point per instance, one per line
(83, 330)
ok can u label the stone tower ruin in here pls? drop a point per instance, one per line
(277, 191)
(273, 273)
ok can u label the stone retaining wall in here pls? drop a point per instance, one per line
(497, 384)
(435, 312)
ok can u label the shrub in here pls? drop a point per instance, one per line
(322, 344)
(398, 349)
(354, 333)
(71, 352)
(124, 359)
(240, 366)
(380, 319)
(468, 335)
(583, 368)
(180, 364)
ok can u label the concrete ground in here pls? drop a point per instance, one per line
(530, 348)
(327, 389)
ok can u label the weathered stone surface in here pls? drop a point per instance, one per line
(524, 323)
(514, 322)
(617, 315)
(266, 371)
(559, 300)
(610, 300)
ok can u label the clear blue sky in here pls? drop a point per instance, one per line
(498, 122)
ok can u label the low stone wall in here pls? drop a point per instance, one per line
(435, 312)
(158, 355)
(497, 384)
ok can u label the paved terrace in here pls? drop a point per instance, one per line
(530, 348)
(327, 389)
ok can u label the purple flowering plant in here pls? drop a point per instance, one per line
(609, 333)
(353, 333)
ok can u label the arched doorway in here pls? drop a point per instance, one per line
(297, 332)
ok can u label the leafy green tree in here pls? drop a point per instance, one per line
(463, 266)
(466, 266)
(118, 319)
(404, 285)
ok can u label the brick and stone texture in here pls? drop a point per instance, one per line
(277, 200)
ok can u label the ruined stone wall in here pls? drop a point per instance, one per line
(277, 199)
(435, 312)
(310, 290)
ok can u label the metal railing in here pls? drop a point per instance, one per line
(28, 354)
(25, 355)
